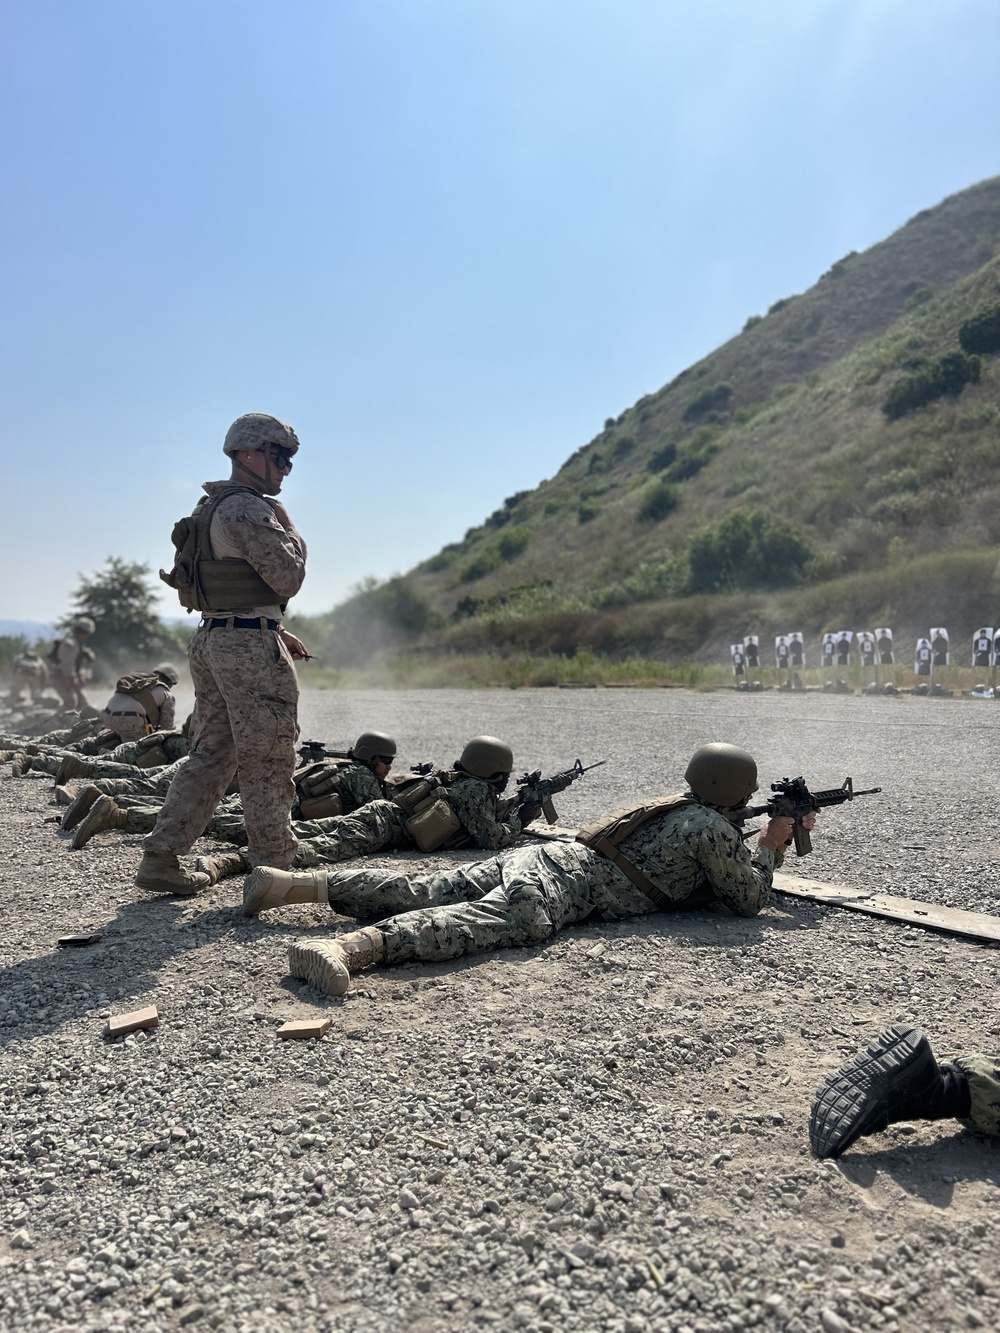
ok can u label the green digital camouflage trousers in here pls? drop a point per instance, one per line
(983, 1073)
(519, 898)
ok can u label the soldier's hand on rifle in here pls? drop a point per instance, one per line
(295, 646)
(528, 812)
(776, 830)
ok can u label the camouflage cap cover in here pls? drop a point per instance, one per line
(486, 756)
(722, 775)
(255, 431)
(168, 671)
(372, 743)
(84, 625)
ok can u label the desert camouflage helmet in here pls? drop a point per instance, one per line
(168, 671)
(486, 756)
(84, 625)
(255, 431)
(720, 774)
(372, 743)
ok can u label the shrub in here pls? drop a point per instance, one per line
(513, 542)
(752, 322)
(624, 446)
(946, 377)
(661, 499)
(484, 563)
(981, 333)
(663, 457)
(693, 455)
(588, 510)
(749, 549)
(713, 398)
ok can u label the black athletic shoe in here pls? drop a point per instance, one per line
(892, 1080)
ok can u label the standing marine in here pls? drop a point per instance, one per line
(239, 560)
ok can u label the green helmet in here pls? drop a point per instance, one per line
(372, 743)
(84, 626)
(486, 757)
(723, 775)
(255, 431)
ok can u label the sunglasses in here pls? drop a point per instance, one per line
(387, 759)
(280, 457)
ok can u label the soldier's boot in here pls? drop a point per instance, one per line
(896, 1078)
(266, 887)
(162, 872)
(104, 814)
(64, 795)
(20, 764)
(73, 766)
(221, 867)
(328, 964)
(81, 806)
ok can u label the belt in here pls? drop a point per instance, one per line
(238, 622)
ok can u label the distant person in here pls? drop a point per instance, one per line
(142, 703)
(70, 657)
(239, 561)
(28, 673)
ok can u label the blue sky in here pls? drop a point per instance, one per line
(443, 238)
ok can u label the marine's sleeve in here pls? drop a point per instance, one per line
(277, 554)
(362, 784)
(66, 656)
(167, 707)
(476, 807)
(741, 881)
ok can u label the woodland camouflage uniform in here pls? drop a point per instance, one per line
(693, 855)
(379, 825)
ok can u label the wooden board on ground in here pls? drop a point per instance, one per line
(977, 925)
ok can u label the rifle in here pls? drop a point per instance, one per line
(794, 799)
(532, 788)
(311, 752)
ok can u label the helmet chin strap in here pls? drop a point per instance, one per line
(268, 479)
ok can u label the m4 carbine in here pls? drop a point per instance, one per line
(793, 799)
(533, 789)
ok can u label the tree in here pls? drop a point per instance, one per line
(749, 549)
(120, 602)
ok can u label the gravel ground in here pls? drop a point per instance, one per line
(605, 1134)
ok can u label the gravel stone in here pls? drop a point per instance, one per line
(403, 1173)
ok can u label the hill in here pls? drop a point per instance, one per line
(838, 456)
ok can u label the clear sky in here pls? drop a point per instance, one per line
(444, 239)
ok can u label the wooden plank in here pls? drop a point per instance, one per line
(121, 1024)
(910, 911)
(302, 1029)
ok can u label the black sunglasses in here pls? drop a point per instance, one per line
(280, 456)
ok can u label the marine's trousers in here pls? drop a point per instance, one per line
(983, 1073)
(247, 696)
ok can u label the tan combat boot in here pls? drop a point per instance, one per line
(104, 814)
(80, 807)
(266, 888)
(73, 766)
(328, 964)
(161, 872)
(221, 867)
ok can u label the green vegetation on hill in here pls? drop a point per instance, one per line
(840, 447)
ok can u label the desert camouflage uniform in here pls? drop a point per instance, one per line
(30, 673)
(142, 812)
(983, 1073)
(379, 826)
(125, 714)
(67, 673)
(693, 855)
(247, 696)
